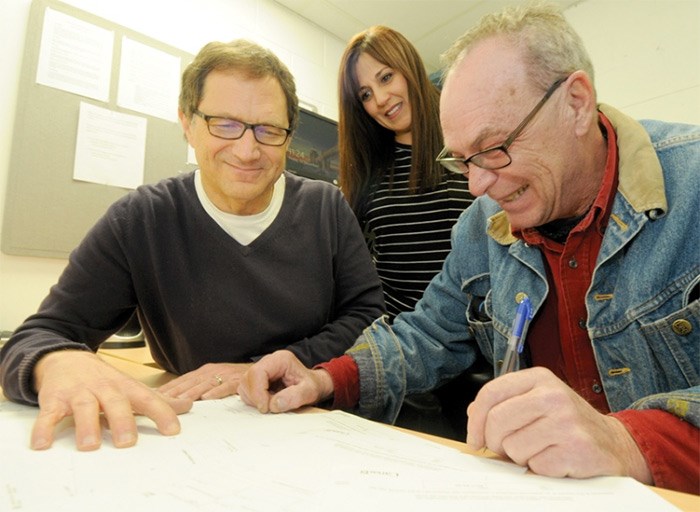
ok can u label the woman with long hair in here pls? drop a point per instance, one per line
(389, 136)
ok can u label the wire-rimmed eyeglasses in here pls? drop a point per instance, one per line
(232, 129)
(496, 157)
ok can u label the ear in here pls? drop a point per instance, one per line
(186, 124)
(582, 101)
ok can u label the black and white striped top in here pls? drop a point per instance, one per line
(409, 234)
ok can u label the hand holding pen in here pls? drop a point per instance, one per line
(514, 417)
(516, 340)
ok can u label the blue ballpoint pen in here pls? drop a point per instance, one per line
(516, 340)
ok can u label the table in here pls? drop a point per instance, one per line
(137, 363)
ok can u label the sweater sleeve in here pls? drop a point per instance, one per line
(80, 311)
(357, 292)
(670, 446)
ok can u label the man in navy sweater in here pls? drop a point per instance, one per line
(224, 265)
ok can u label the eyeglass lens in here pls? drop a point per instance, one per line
(232, 129)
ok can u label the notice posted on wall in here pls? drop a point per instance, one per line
(75, 56)
(110, 147)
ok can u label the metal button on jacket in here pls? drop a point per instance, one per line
(682, 327)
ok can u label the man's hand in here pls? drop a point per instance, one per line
(536, 420)
(279, 382)
(211, 381)
(79, 384)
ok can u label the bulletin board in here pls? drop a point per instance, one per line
(47, 212)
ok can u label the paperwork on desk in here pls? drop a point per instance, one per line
(231, 458)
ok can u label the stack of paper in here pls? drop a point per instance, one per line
(231, 458)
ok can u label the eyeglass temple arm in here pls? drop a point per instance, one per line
(534, 111)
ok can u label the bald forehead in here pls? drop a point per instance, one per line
(481, 92)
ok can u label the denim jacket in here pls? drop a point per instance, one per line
(643, 307)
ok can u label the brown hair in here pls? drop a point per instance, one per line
(238, 55)
(366, 148)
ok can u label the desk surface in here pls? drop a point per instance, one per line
(136, 362)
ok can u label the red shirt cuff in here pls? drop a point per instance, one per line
(346, 381)
(670, 446)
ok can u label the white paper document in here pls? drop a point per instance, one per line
(75, 56)
(229, 457)
(149, 80)
(110, 147)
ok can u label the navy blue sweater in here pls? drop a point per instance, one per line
(306, 284)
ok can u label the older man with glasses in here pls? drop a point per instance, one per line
(225, 264)
(579, 257)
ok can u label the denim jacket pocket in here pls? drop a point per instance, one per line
(479, 312)
(649, 343)
(675, 340)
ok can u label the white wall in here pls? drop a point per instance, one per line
(646, 54)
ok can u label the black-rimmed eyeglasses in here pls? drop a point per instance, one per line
(232, 129)
(496, 157)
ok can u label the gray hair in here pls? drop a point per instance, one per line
(551, 47)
